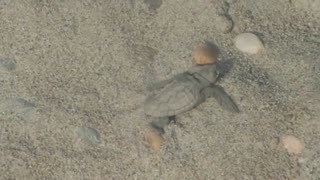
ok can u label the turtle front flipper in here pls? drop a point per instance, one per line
(161, 123)
(222, 97)
(163, 83)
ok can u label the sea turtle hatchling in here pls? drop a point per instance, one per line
(184, 92)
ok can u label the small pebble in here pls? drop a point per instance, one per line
(205, 54)
(154, 140)
(88, 134)
(248, 43)
(7, 64)
(292, 144)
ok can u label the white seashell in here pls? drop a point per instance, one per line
(248, 43)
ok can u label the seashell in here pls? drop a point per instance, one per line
(248, 43)
(205, 54)
(292, 144)
(154, 140)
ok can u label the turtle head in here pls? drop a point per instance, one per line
(209, 72)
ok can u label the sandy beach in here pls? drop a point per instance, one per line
(73, 78)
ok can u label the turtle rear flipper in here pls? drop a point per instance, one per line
(222, 97)
(161, 123)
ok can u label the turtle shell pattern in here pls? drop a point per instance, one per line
(178, 96)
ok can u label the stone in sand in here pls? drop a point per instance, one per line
(7, 64)
(88, 134)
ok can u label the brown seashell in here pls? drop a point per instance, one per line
(292, 144)
(154, 140)
(205, 54)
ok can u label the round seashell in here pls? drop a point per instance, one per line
(248, 43)
(154, 140)
(292, 144)
(205, 55)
